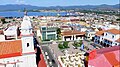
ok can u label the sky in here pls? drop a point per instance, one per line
(59, 2)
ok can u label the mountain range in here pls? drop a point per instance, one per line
(15, 7)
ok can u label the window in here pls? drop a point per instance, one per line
(28, 45)
(43, 28)
(106, 34)
(113, 36)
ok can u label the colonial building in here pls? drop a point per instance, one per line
(19, 53)
(107, 38)
(98, 39)
(72, 35)
(110, 37)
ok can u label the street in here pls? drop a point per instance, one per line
(50, 55)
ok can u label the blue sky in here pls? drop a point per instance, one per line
(59, 2)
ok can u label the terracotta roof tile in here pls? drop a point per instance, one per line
(99, 33)
(113, 31)
(10, 48)
(72, 32)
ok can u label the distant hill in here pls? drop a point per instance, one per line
(14, 7)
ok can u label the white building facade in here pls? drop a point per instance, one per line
(108, 38)
(26, 56)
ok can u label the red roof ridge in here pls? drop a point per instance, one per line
(108, 49)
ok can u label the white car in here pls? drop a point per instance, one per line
(47, 57)
(50, 63)
(46, 53)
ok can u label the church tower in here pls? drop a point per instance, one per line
(27, 35)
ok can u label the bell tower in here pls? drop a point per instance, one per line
(27, 35)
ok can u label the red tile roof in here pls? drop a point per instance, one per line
(10, 48)
(106, 57)
(99, 33)
(113, 31)
(64, 27)
(72, 32)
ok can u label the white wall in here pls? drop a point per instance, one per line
(27, 61)
(2, 37)
(109, 36)
(26, 40)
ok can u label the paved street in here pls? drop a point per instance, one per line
(50, 54)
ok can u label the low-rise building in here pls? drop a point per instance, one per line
(98, 39)
(72, 35)
(48, 33)
(65, 28)
(108, 37)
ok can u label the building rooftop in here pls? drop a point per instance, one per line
(105, 57)
(10, 48)
(113, 31)
(99, 33)
(72, 32)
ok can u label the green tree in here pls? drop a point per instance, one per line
(80, 42)
(3, 20)
(60, 46)
(58, 33)
(77, 44)
(65, 44)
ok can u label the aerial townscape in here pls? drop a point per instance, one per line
(68, 35)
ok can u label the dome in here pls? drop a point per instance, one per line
(26, 24)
